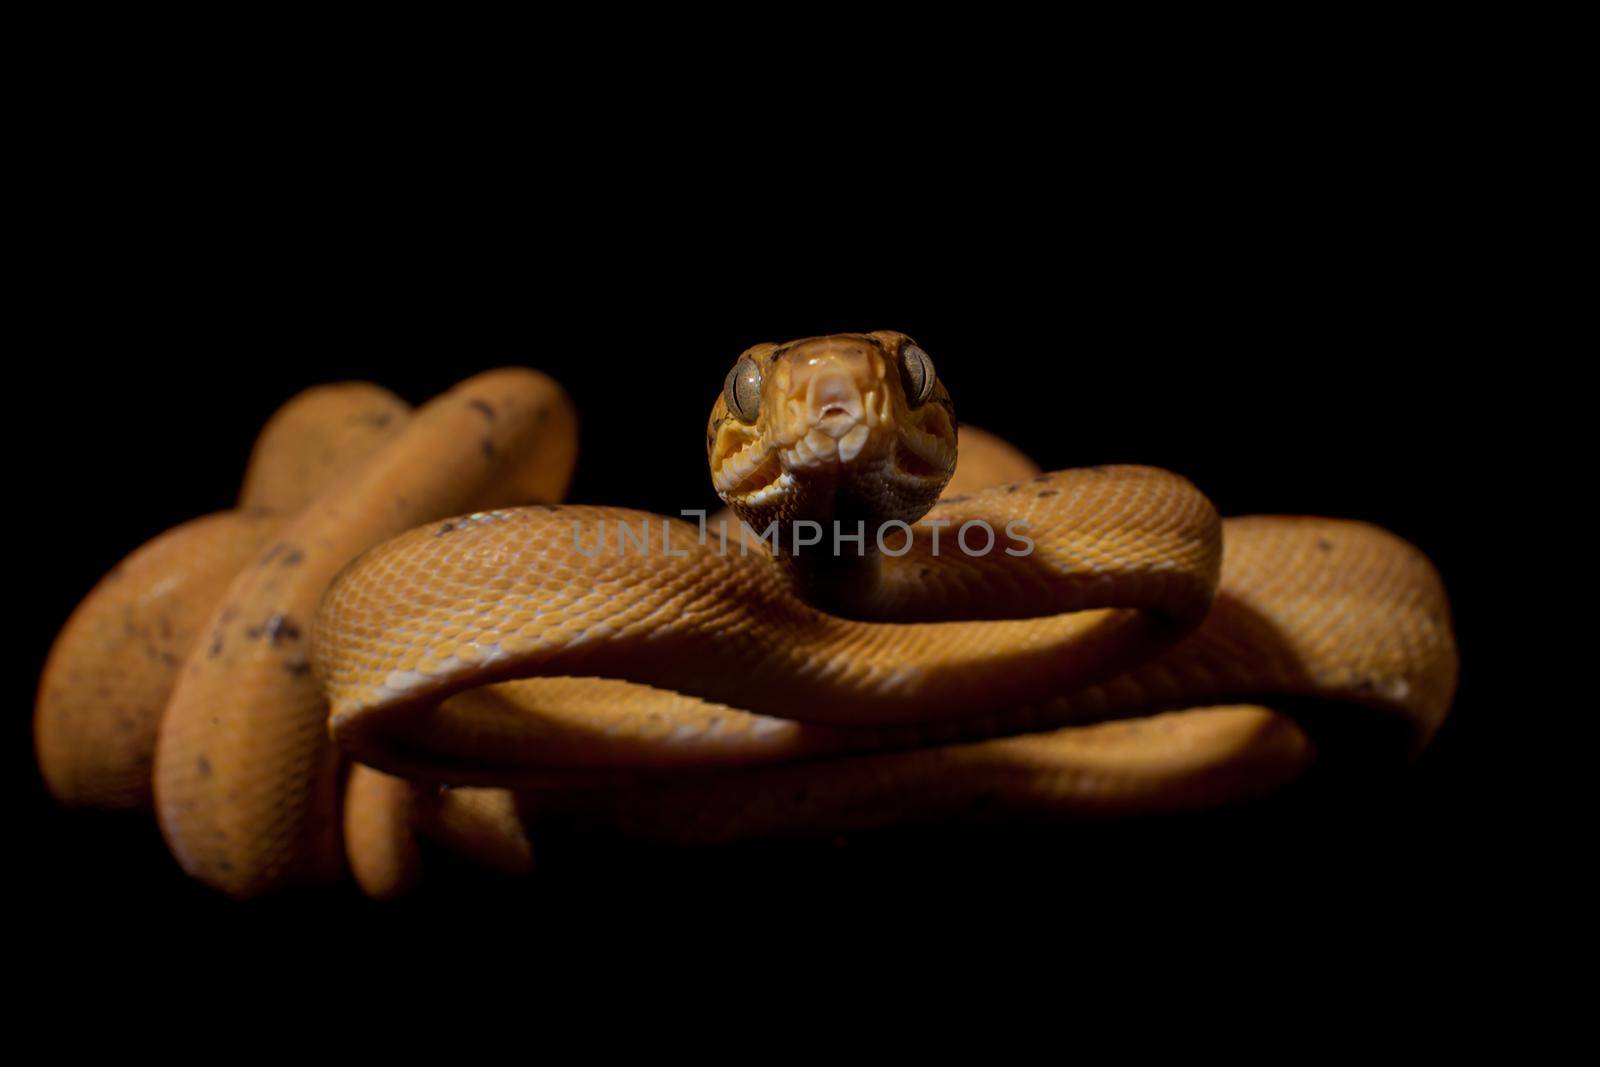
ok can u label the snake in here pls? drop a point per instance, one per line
(401, 637)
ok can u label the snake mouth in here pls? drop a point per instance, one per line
(763, 477)
(752, 474)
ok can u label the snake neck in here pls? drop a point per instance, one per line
(844, 584)
(827, 544)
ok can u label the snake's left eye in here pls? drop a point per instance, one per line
(742, 390)
(916, 371)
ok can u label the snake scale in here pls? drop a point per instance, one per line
(400, 635)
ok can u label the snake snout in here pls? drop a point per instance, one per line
(834, 389)
(833, 406)
(836, 403)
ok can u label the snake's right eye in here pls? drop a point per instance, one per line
(742, 390)
(916, 371)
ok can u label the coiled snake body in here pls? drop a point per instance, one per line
(1109, 646)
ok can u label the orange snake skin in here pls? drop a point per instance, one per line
(399, 636)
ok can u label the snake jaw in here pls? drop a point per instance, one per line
(746, 471)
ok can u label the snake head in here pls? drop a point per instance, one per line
(848, 424)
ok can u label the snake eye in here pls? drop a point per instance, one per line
(916, 371)
(742, 390)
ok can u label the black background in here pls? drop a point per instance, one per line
(1294, 328)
